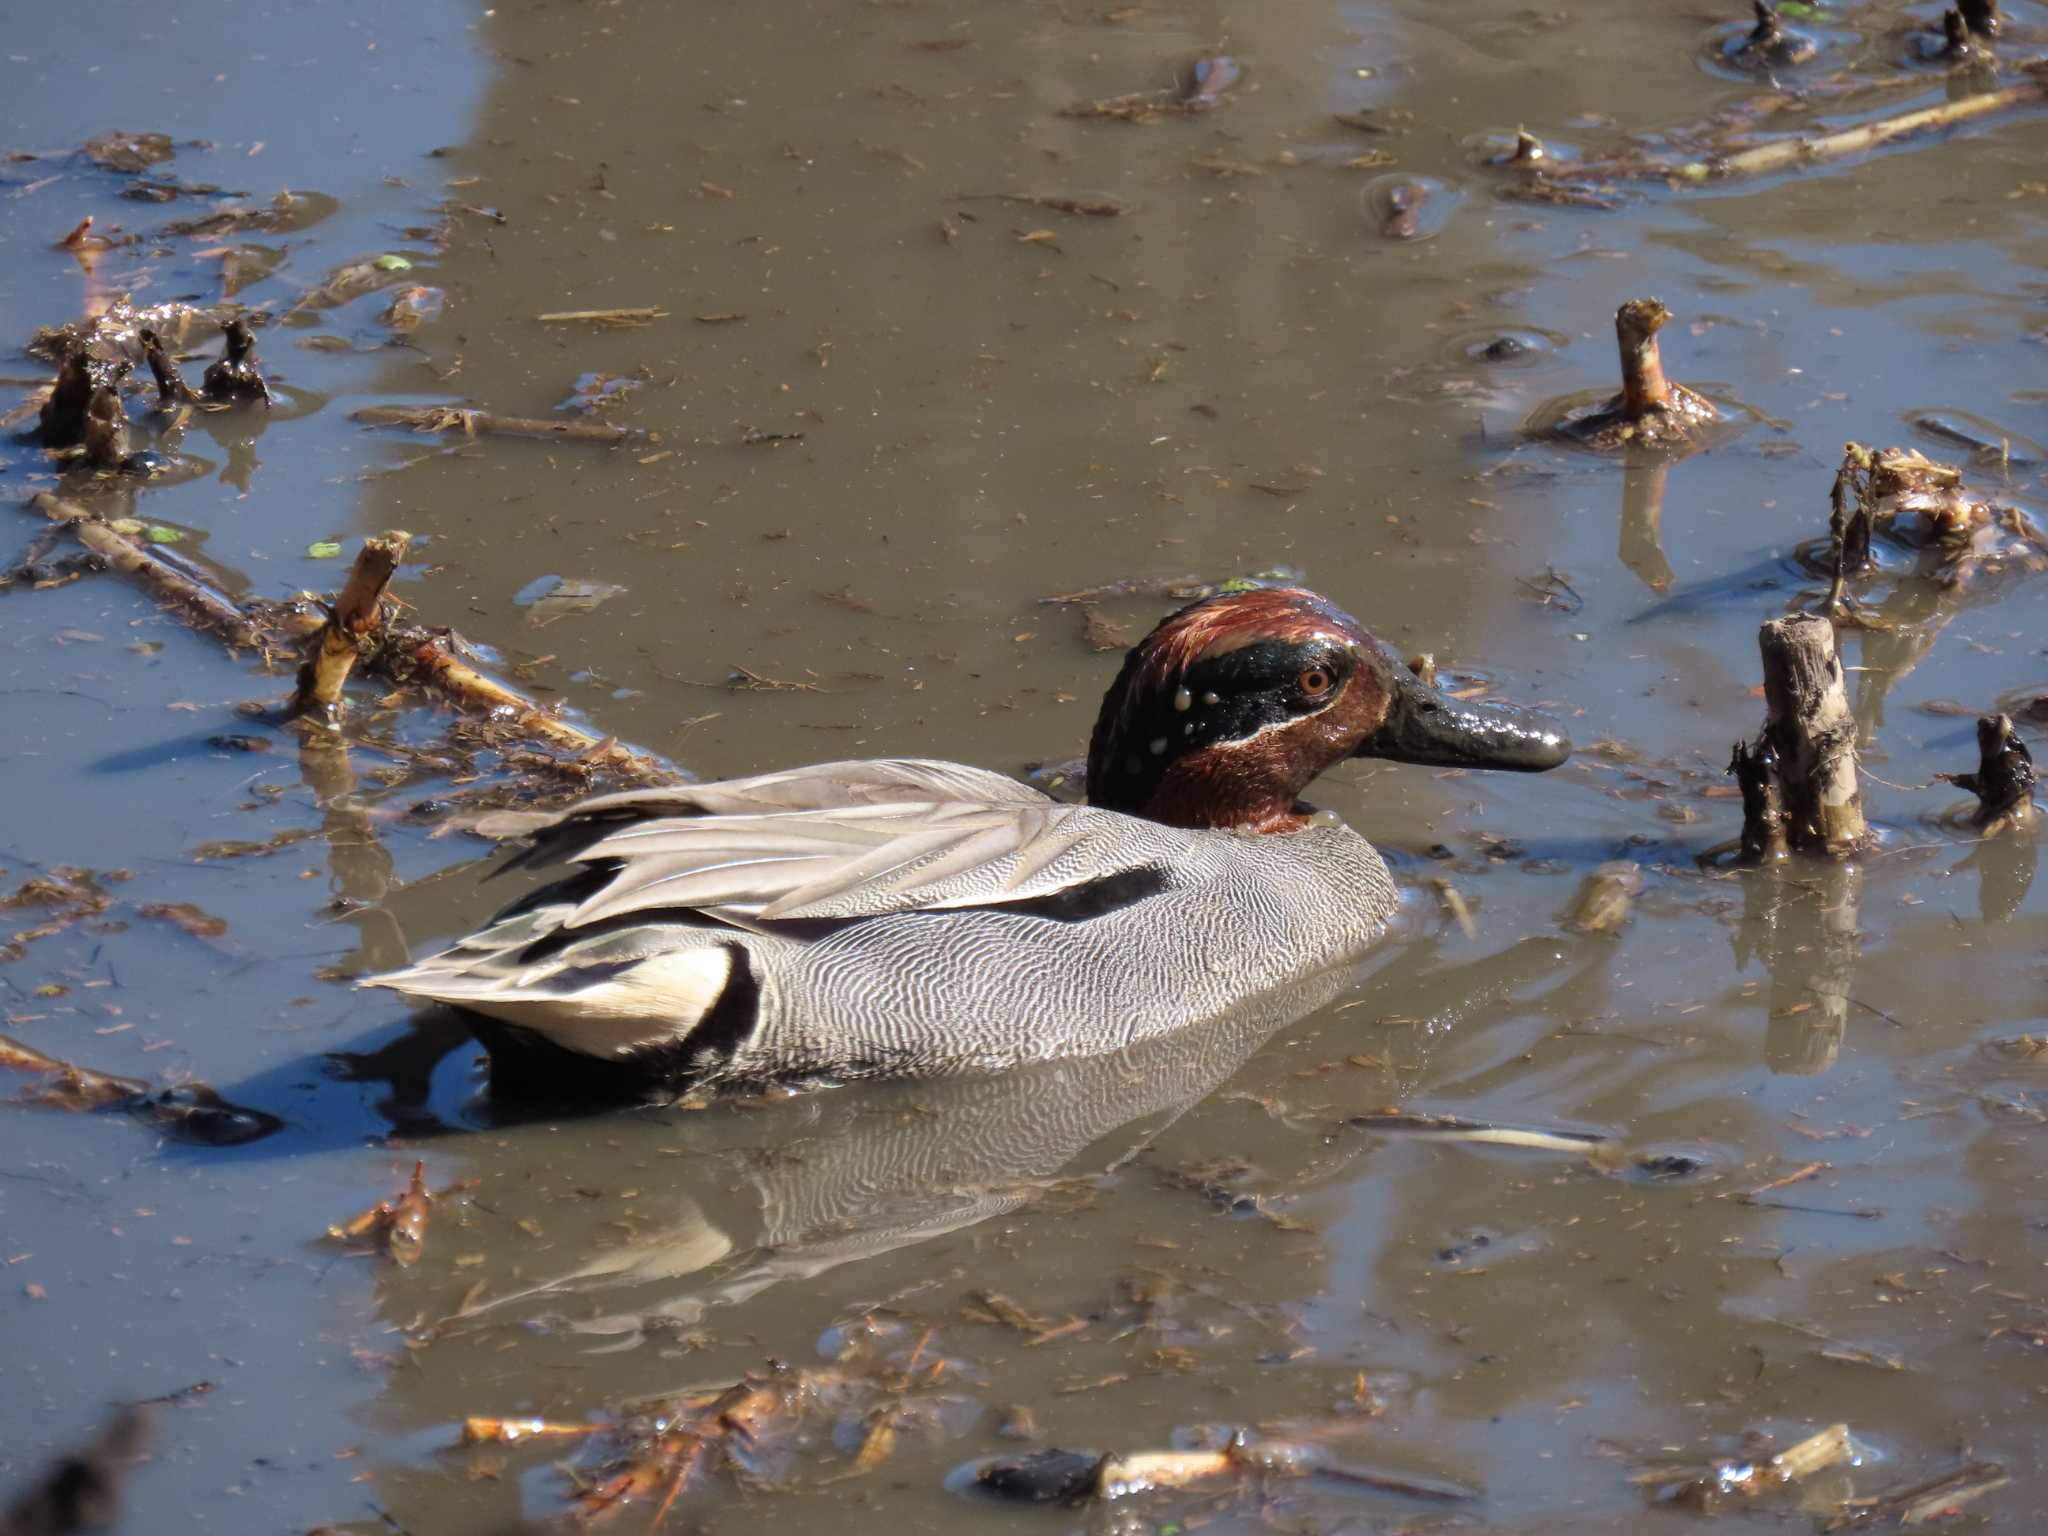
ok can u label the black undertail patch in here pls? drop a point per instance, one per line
(730, 1020)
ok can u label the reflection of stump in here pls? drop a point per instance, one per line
(1811, 736)
(2005, 873)
(1642, 522)
(1804, 931)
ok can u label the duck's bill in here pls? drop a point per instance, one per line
(1431, 728)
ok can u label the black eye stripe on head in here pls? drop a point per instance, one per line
(1220, 699)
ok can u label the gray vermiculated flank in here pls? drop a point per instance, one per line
(921, 974)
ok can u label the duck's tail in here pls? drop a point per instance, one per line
(616, 991)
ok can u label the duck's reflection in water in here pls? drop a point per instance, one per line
(728, 1203)
(871, 1170)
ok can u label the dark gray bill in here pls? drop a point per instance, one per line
(1424, 726)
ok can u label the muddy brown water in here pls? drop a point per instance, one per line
(998, 401)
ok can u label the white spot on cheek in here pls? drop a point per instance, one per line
(1158, 745)
(1183, 701)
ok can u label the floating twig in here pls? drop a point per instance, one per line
(1078, 1477)
(1745, 1478)
(198, 603)
(1082, 207)
(449, 418)
(617, 317)
(414, 654)
(1791, 154)
(1923, 1503)
(1476, 1132)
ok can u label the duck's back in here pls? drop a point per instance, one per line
(896, 918)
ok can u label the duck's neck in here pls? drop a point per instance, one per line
(1220, 790)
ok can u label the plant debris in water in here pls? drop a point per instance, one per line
(190, 1112)
(1651, 409)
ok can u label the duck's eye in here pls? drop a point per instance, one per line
(1315, 682)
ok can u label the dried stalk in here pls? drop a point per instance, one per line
(1849, 529)
(424, 657)
(199, 604)
(622, 317)
(416, 655)
(448, 418)
(351, 625)
(1789, 154)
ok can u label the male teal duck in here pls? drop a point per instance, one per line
(904, 916)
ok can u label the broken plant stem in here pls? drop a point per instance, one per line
(1849, 530)
(427, 658)
(416, 655)
(1081, 207)
(351, 623)
(2004, 780)
(1643, 385)
(448, 418)
(171, 388)
(200, 604)
(1789, 154)
(641, 316)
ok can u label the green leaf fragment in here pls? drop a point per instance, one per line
(323, 549)
(159, 534)
(392, 262)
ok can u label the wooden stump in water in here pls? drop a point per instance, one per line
(1763, 801)
(2004, 780)
(1812, 736)
(354, 619)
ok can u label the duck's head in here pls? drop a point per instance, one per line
(1224, 713)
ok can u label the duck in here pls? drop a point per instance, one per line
(908, 917)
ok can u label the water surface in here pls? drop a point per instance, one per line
(998, 401)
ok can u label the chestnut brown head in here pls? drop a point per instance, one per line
(1229, 708)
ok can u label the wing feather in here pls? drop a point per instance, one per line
(841, 840)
